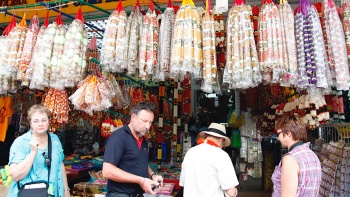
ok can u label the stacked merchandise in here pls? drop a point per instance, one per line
(251, 150)
(92, 188)
(335, 170)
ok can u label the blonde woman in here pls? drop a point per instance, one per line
(29, 160)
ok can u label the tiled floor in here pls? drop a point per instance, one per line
(254, 194)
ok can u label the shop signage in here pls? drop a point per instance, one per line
(135, 81)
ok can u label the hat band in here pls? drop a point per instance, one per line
(217, 131)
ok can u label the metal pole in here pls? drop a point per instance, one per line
(6, 12)
(93, 6)
(71, 17)
(31, 5)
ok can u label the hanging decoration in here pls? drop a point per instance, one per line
(55, 70)
(119, 100)
(255, 12)
(92, 52)
(220, 40)
(346, 24)
(270, 43)
(186, 52)
(187, 98)
(4, 85)
(73, 58)
(13, 51)
(108, 126)
(149, 44)
(179, 123)
(113, 44)
(57, 102)
(94, 93)
(161, 94)
(36, 52)
(165, 36)
(28, 49)
(242, 69)
(173, 125)
(289, 70)
(336, 46)
(133, 35)
(49, 55)
(210, 81)
(310, 46)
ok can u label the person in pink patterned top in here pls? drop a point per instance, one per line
(299, 172)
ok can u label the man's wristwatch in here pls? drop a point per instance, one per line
(154, 174)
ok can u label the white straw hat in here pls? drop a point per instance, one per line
(217, 130)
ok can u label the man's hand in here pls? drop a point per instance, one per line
(147, 185)
(158, 179)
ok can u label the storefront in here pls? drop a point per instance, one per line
(231, 70)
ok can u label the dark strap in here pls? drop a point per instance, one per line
(50, 156)
(50, 153)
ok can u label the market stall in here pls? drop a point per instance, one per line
(244, 69)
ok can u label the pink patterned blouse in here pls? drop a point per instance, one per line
(310, 175)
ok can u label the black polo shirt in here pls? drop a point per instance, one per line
(123, 152)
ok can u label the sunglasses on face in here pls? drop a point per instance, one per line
(47, 160)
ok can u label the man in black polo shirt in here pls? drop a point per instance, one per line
(125, 162)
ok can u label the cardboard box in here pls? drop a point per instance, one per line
(4, 189)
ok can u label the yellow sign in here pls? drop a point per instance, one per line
(71, 7)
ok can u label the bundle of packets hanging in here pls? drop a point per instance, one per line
(335, 170)
(5, 178)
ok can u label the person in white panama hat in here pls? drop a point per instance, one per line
(207, 170)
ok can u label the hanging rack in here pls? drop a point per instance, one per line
(6, 12)
(71, 17)
(50, 3)
(156, 4)
(93, 6)
(32, 5)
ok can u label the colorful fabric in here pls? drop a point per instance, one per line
(5, 113)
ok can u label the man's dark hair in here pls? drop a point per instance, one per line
(142, 106)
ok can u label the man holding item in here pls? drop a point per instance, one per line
(125, 162)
